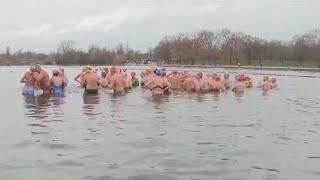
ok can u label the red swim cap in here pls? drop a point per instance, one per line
(200, 74)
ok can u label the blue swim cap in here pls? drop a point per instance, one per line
(158, 72)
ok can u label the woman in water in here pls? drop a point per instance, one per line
(57, 83)
(134, 80)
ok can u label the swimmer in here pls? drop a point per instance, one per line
(90, 81)
(239, 84)
(127, 82)
(79, 76)
(62, 74)
(105, 80)
(248, 82)
(117, 82)
(217, 84)
(175, 79)
(57, 83)
(193, 83)
(28, 81)
(167, 83)
(158, 85)
(134, 80)
(148, 75)
(274, 83)
(205, 84)
(226, 81)
(266, 84)
(42, 79)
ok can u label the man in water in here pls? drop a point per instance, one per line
(28, 81)
(248, 82)
(42, 79)
(105, 80)
(117, 82)
(158, 85)
(274, 83)
(90, 81)
(58, 83)
(127, 82)
(193, 83)
(217, 84)
(226, 81)
(266, 84)
(239, 84)
(205, 83)
(147, 76)
(175, 79)
(134, 80)
(63, 75)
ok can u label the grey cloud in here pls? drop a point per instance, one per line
(40, 24)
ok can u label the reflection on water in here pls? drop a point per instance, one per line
(182, 136)
(90, 102)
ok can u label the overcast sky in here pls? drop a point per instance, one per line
(40, 25)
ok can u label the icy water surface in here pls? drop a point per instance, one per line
(183, 136)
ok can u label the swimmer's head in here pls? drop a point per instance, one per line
(149, 71)
(103, 74)
(142, 74)
(89, 68)
(199, 74)
(217, 78)
(273, 79)
(133, 74)
(157, 72)
(32, 68)
(61, 69)
(265, 78)
(240, 77)
(105, 69)
(37, 67)
(55, 72)
(113, 70)
(163, 72)
(175, 71)
(226, 75)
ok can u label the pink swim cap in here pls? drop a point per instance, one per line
(200, 74)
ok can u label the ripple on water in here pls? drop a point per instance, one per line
(59, 146)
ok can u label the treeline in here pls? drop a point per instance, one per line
(204, 47)
(226, 47)
(67, 54)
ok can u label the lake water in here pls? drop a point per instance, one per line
(183, 136)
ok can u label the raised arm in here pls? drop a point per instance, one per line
(23, 79)
(77, 77)
(38, 76)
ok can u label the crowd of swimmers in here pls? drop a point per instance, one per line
(37, 81)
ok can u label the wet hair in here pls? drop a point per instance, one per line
(55, 73)
(103, 74)
(32, 68)
(37, 66)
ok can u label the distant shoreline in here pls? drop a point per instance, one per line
(248, 67)
(197, 66)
